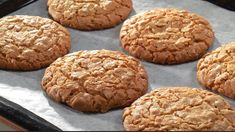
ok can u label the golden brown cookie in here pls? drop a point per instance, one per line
(216, 70)
(89, 14)
(31, 42)
(95, 81)
(167, 36)
(179, 109)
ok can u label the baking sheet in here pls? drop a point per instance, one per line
(24, 88)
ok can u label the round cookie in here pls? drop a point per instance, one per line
(216, 70)
(31, 42)
(89, 14)
(179, 109)
(166, 36)
(95, 81)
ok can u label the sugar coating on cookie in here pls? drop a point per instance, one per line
(89, 14)
(166, 36)
(216, 70)
(179, 109)
(31, 42)
(96, 80)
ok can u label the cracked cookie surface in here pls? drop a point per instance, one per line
(216, 70)
(31, 42)
(179, 109)
(166, 36)
(89, 14)
(95, 81)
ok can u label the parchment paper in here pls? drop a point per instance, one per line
(24, 88)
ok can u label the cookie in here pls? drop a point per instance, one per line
(166, 36)
(89, 14)
(96, 80)
(31, 42)
(179, 109)
(216, 70)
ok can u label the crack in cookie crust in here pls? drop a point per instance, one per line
(89, 14)
(166, 36)
(179, 109)
(31, 42)
(95, 81)
(216, 70)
